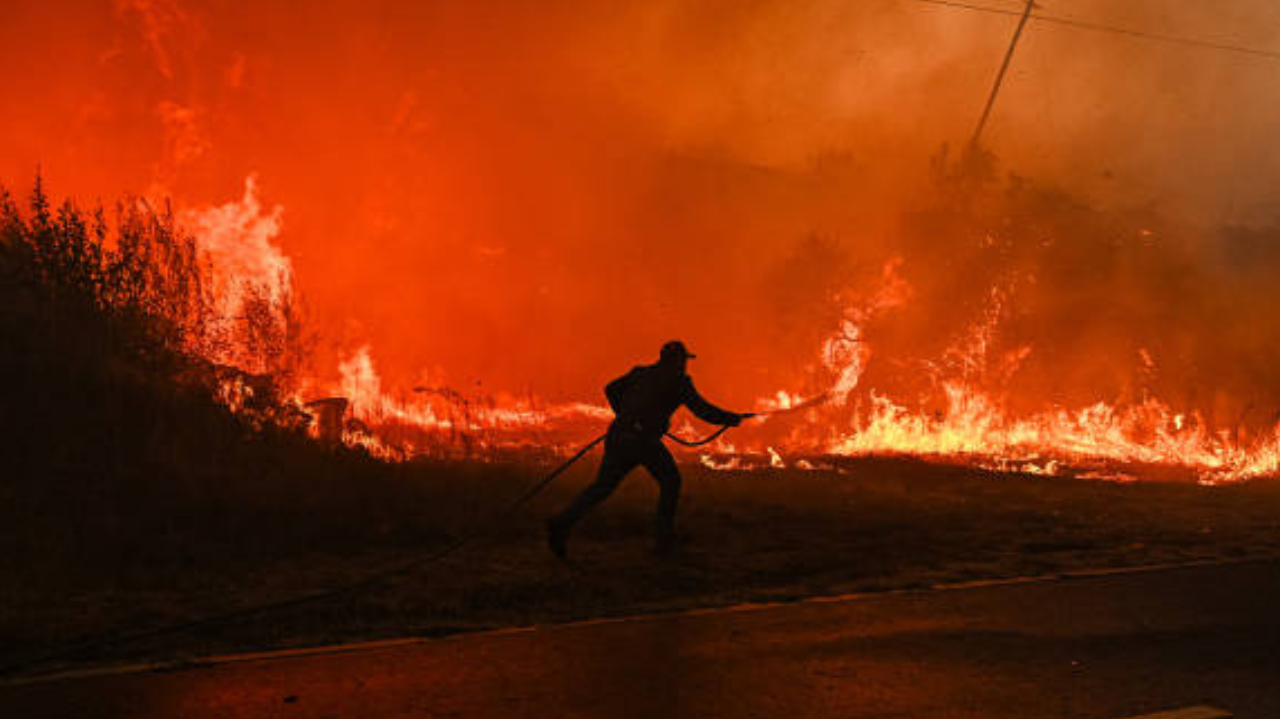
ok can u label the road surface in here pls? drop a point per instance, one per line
(1096, 647)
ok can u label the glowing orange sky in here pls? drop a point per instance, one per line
(535, 195)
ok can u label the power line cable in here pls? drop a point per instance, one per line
(1100, 27)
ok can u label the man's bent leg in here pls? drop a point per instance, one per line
(662, 466)
(613, 467)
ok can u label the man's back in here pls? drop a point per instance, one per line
(645, 398)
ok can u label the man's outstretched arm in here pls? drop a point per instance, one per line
(705, 411)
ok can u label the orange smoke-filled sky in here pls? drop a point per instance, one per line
(534, 195)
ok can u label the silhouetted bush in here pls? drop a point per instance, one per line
(114, 421)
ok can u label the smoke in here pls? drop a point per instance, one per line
(533, 196)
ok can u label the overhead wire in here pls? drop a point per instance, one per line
(1101, 27)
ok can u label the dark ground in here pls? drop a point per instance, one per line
(1101, 647)
(755, 536)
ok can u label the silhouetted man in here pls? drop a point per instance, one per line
(643, 401)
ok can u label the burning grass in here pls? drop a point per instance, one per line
(215, 312)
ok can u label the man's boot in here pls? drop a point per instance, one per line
(558, 537)
(665, 542)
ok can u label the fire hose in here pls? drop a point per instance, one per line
(99, 642)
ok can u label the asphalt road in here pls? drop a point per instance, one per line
(1095, 647)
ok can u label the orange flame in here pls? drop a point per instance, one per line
(1100, 440)
(974, 427)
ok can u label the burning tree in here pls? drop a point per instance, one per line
(137, 291)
